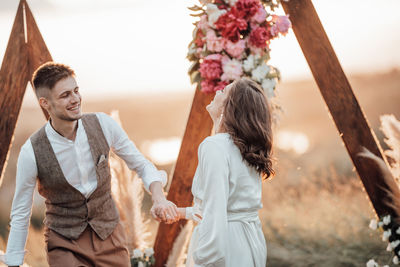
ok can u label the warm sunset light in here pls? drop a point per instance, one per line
(183, 133)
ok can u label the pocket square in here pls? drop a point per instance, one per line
(101, 159)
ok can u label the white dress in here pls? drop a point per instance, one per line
(227, 195)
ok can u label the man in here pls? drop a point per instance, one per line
(68, 157)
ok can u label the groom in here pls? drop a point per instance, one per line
(69, 158)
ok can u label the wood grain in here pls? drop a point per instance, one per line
(14, 76)
(198, 127)
(339, 97)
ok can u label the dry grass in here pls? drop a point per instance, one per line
(127, 189)
(390, 126)
(318, 219)
(178, 254)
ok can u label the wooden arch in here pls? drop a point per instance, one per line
(26, 50)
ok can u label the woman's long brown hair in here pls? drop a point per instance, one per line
(247, 119)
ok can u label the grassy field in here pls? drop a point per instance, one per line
(315, 210)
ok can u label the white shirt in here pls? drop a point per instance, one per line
(77, 164)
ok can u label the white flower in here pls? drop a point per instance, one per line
(268, 85)
(373, 224)
(231, 2)
(386, 220)
(394, 244)
(389, 247)
(385, 265)
(386, 235)
(148, 252)
(137, 253)
(380, 224)
(395, 260)
(213, 13)
(372, 263)
(249, 63)
(232, 69)
(192, 49)
(141, 264)
(398, 231)
(259, 73)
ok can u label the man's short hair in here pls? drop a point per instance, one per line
(48, 74)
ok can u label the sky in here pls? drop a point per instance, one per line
(130, 46)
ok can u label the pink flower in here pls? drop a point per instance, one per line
(214, 43)
(203, 23)
(259, 37)
(220, 85)
(199, 40)
(232, 69)
(209, 86)
(230, 24)
(281, 25)
(235, 49)
(211, 67)
(260, 16)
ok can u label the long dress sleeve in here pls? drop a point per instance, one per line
(213, 228)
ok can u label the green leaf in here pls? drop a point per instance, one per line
(195, 77)
(194, 67)
(265, 57)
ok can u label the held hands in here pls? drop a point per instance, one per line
(163, 209)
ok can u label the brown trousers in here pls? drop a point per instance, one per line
(88, 250)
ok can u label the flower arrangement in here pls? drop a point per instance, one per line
(140, 259)
(391, 234)
(231, 40)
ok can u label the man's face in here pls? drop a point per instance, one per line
(64, 100)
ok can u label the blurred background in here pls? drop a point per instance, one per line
(130, 56)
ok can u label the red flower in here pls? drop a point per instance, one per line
(199, 38)
(209, 86)
(260, 37)
(230, 24)
(220, 85)
(221, 4)
(247, 8)
(211, 67)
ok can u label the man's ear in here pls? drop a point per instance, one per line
(44, 103)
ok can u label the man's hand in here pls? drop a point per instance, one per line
(163, 209)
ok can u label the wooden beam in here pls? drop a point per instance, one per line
(13, 81)
(198, 127)
(37, 49)
(339, 97)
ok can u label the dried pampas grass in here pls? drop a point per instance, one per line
(127, 190)
(390, 126)
(178, 254)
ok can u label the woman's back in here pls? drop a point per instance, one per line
(244, 182)
(227, 195)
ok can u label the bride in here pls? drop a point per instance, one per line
(227, 183)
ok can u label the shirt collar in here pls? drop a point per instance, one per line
(54, 135)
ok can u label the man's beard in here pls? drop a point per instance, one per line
(68, 118)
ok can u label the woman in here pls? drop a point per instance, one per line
(227, 183)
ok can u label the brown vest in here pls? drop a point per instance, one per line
(68, 211)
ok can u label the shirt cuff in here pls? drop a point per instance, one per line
(158, 176)
(190, 214)
(14, 258)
